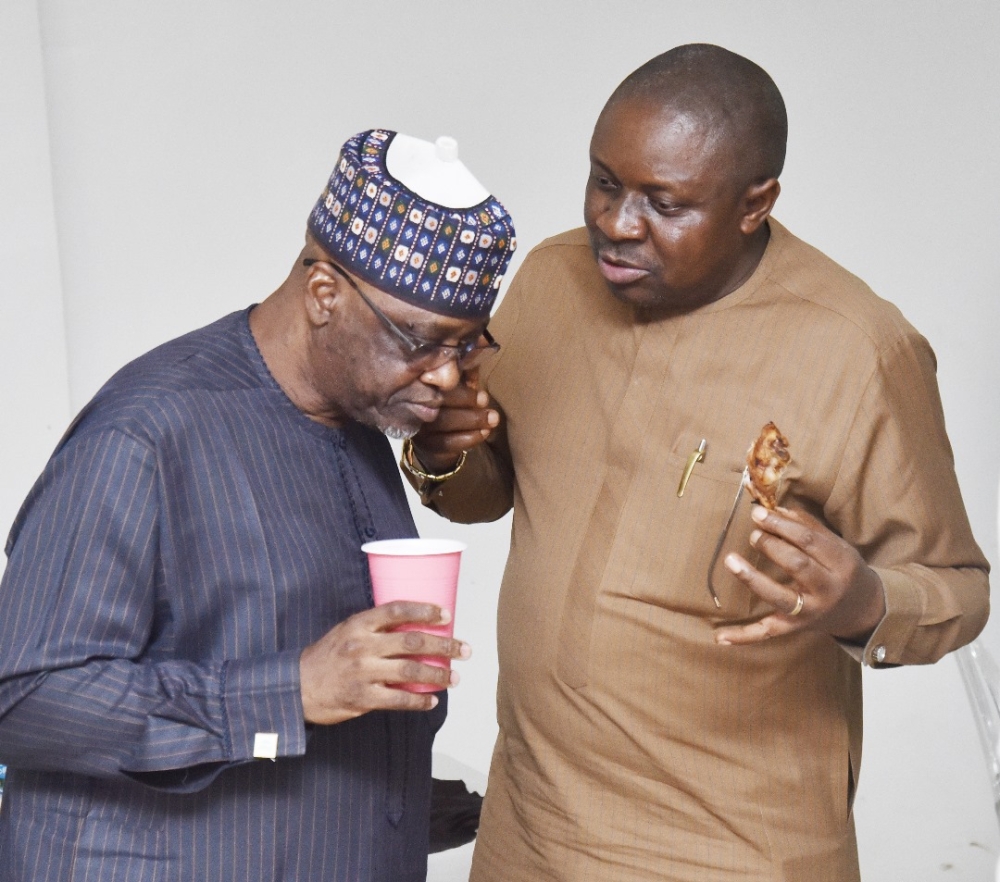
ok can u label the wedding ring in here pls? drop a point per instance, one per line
(799, 603)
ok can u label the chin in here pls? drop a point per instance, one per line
(398, 433)
(638, 297)
(655, 304)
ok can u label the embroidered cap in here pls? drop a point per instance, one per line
(407, 216)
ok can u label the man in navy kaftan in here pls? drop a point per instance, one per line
(194, 684)
(166, 656)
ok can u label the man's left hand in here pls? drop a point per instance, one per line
(840, 594)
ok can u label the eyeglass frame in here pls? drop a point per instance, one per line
(414, 344)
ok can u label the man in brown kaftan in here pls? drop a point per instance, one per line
(647, 733)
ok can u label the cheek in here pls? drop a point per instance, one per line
(375, 377)
(392, 383)
(683, 247)
(594, 203)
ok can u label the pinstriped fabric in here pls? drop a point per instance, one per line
(632, 748)
(191, 534)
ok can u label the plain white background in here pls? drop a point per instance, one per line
(158, 161)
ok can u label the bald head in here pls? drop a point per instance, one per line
(728, 94)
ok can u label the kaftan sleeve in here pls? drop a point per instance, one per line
(82, 688)
(484, 488)
(482, 491)
(896, 499)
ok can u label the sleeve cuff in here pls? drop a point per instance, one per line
(886, 647)
(262, 703)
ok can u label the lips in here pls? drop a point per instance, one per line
(619, 272)
(426, 412)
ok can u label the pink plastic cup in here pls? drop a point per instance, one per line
(424, 570)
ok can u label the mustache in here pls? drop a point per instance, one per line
(603, 250)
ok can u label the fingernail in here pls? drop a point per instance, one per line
(465, 651)
(734, 564)
(722, 641)
(482, 399)
(754, 536)
(454, 679)
(434, 702)
(493, 418)
(758, 513)
(445, 616)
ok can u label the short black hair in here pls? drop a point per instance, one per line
(727, 91)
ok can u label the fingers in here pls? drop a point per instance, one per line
(478, 417)
(417, 659)
(418, 670)
(464, 420)
(784, 598)
(456, 425)
(401, 612)
(401, 644)
(826, 584)
(755, 632)
(353, 668)
(805, 539)
(791, 615)
(465, 412)
(465, 396)
(406, 621)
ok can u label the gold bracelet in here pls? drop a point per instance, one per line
(408, 461)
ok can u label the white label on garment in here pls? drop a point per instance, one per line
(265, 745)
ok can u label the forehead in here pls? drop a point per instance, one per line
(657, 143)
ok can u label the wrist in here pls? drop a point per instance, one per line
(430, 468)
(872, 613)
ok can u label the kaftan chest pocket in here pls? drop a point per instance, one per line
(693, 517)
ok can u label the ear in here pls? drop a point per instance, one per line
(758, 200)
(322, 291)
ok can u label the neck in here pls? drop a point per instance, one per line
(282, 334)
(752, 256)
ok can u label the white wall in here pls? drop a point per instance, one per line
(189, 139)
(34, 392)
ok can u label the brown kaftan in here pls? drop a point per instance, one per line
(631, 746)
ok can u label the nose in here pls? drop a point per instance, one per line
(621, 218)
(446, 376)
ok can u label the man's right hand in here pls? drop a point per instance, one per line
(465, 420)
(351, 670)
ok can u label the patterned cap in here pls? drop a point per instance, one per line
(447, 260)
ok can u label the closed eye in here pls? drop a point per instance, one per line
(666, 208)
(602, 180)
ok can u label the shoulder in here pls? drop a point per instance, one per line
(155, 392)
(557, 269)
(572, 245)
(213, 357)
(807, 280)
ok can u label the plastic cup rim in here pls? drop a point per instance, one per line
(413, 547)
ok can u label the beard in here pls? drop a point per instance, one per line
(397, 433)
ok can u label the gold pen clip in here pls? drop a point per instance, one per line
(695, 457)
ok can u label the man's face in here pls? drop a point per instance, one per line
(663, 209)
(371, 375)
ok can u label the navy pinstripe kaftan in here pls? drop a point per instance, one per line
(191, 534)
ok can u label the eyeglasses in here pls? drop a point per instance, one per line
(425, 353)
